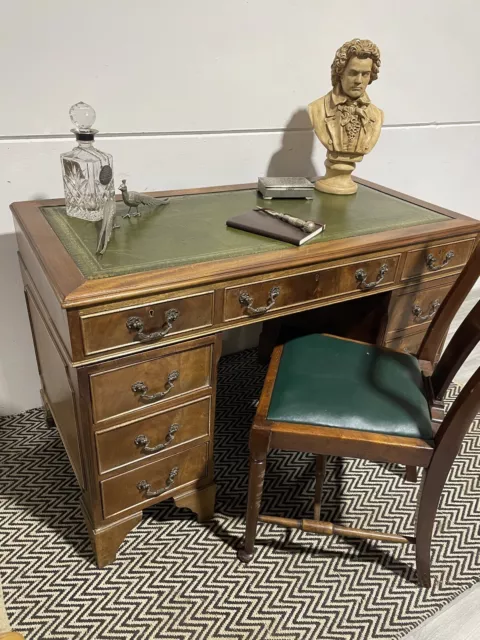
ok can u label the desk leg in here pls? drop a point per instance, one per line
(411, 474)
(107, 540)
(47, 412)
(201, 502)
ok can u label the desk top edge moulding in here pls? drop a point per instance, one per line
(352, 225)
(345, 120)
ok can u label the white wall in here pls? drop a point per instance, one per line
(197, 93)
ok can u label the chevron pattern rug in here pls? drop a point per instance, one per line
(179, 580)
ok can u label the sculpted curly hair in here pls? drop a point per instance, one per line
(360, 49)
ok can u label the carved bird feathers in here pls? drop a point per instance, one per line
(133, 200)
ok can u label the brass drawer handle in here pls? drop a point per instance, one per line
(431, 261)
(141, 388)
(134, 323)
(144, 486)
(246, 300)
(144, 442)
(361, 277)
(417, 311)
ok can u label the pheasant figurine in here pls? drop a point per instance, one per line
(133, 200)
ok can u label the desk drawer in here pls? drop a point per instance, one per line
(125, 389)
(438, 257)
(417, 307)
(153, 482)
(154, 435)
(409, 343)
(368, 274)
(253, 299)
(145, 324)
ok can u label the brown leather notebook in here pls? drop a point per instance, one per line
(265, 225)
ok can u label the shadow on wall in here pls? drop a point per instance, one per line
(294, 158)
(19, 383)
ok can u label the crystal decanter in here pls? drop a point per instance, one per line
(87, 172)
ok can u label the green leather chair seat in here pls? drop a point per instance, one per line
(327, 381)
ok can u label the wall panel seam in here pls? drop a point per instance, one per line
(220, 132)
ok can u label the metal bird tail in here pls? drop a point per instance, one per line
(109, 211)
(153, 202)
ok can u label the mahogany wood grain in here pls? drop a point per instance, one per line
(347, 442)
(106, 539)
(347, 281)
(56, 385)
(330, 529)
(106, 329)
(416, 309)
(121, 492)
(34, 276)
(33, 229)
(320, 463)
(448, 441)
(117, 446)
(294, 290)
(459, 348)
(411, 474)
(417, 263)
(255, 489)
(105, 529)
(451, 304)
(406, 342)
(200, 501)
(112, 392)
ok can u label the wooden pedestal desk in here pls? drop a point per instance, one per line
(127, 344)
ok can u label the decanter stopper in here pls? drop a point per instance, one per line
(83, 116)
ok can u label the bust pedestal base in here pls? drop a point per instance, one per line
(338, 174)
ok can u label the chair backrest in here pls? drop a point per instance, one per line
(466, 337)
(463, 411)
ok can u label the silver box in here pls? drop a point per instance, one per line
(285, 188)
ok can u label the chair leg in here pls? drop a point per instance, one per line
(258, 457)
(319, 475)
(430, 492)
(411, 474)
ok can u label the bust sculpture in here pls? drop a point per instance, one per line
(345, 121)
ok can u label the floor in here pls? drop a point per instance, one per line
(459, 620)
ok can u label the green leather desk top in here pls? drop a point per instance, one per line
(192, 229)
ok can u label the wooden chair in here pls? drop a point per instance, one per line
(333, 396)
